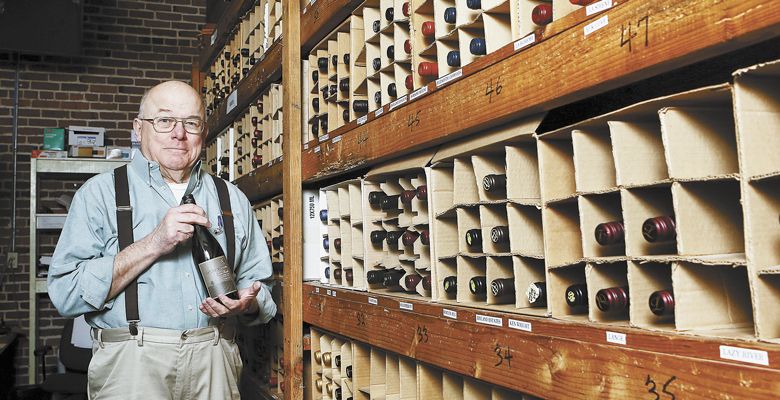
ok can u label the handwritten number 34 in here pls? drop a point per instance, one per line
(650, 383)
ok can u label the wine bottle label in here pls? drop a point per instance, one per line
(217, 276)
(533, 292)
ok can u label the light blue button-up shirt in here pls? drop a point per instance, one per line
(170, 290)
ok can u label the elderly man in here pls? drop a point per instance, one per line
(129, 267)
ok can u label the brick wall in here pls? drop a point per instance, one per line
(128, 46)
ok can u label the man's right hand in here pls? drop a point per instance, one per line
(178, 226)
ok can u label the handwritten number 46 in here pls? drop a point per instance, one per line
(491, 90)
(422, 334)
(650, 383)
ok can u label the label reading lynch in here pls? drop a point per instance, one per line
(217, 277)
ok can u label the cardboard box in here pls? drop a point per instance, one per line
(85, 136)
(49, 154)
(53, 138)
(87, 152)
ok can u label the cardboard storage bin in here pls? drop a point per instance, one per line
(562, 236)
(607, 276)
(644, 279)
(601, 209)
(558, 280)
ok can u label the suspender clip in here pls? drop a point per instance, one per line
(134, 327)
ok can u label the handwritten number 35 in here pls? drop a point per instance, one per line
(664, 389)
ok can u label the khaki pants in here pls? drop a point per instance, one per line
(161, 364)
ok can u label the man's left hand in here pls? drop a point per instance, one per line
(246, 303)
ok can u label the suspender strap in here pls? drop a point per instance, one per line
(124, 222)
(227, 219)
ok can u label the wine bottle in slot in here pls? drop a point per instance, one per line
(411, 281)
(318, 383)
(345, 116)
(277, 242)
(450, 15)
(344, 85)
(389, 14)
(407, 196)
(346, 58)
(392, 279)
(392, 237)
(329, 385)
(409, 237)
(326, 359)
(326, 244)
(360, 106)
(375, 198)
(391, 90)
(324, 123)
(577, 295)
(499, 234)
(327, 272)
(428, 69)
(376, 25)
(337, 393)
(494, 182)
(390, 203)
(422, 193)
(334, 59)
(425, 237)
(324, 215)
(337, 274)
(428, 29)
(453, 58)
(391, 52)
(610, 233)
(349, 275)
(337, 361)
(662, 303)
(280, 212)
(478, 285)
(377, 237)
(315, 76)
(324, 91)
(660, 229)
(405, 9)
(315, 104)
(408, 46)
(337, 244)
(474, 238)
(375, 277)
(409, 82)
(376, 63)
(426, 282)
(378, 97)
(322, 63)
(213, 269)
(542, 14)
(451, 284)
(536, 293)
(348, 370)
(315, 126)
(478, 47)
(502, 287)
(580, 2)
(612, 300)
(333, 89)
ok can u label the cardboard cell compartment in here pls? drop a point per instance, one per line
(444, 268)
(392, 376)
(522, 173)
(644, 279)
(766, 298)
(489, 164)
(407, 371)
(562, 239)
(430, 383)
(639, 205)
(638, 152)
(468, 219)
(606, 276)
(378, 375)
(490, 217)
(469, 267)
(595, 210)
(361, 371)
(594, 164)
(498, 26)
(761, 207)
(556, 164)
(527, 271)
(525, 230)
(466, 182)
(501, 268)
(558, 280)
(452, 386)
(476, 390)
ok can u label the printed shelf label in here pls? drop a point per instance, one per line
(525, 42)
(519, 325)
(488, 320)
(745, 355)
(405, 306)
(449, 78)
(362, 120)
(449, 313)
(616, 337)
(596, 25)
(419, 92)
(372, 300)
(598, 6)
(232, 101)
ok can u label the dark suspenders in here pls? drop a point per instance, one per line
(124, 222)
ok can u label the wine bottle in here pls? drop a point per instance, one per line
(409, 82)
(449, 15)
(580, 2)
(280, 212)
(451, 284)
(391, 91)
(474, 237)
(349, 275)
(392, 279)
(337, 274)
(344, 85)
(542, 14)
(411, 281)
(318, 382)
(337, 244)
(377, 237)
(502, 287)
(326, 244)
(393, 236)
(428, 69)
(376, 25)
(334, 59)
(337, 393)
(494, 182)
(405, 9)
(425, 237)
(577, 295)
(326, 359)
(324, 123)
(390, 203)
(332, 89)
(375, 277)
(407, 196)
(408, 46)
(499, 234)
(612, 300)
(378, 97)
(346, 58)
(389, 14)
(422, 193)
(428, 29)
(324, 91)
(478, 47)
(453, 58)
(478, 285)
(345, 116)
(327, 272)
(659, 229)
(315, 76)
(322, 63)
(662, 302)
(376, 63)
(537, 294)
(349, 371)
(277, 242)
(391, 52)
(315, 126)
(215, 273)
(360, 106)
(610, 233)
(324, 215)
(375, 198)
(426, 282)
(409, 237)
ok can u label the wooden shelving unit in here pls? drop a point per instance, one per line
(263, 183)
(545, 357)
(564, 66)
(227, 21)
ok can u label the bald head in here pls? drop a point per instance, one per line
(167, 93)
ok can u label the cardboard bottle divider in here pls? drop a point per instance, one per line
(604, 276)
(594, 165)
(343, 204)
(558, 280)
(377, 374)
(499, 30)
(643, 280)
(562, 234)
(594, 210)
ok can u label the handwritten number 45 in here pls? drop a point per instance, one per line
(650, 383)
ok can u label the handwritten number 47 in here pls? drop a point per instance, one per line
(652, 389)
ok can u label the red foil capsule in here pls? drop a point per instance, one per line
(411, 282)
(614, 299)
(408, 46)
(409, 82)
(659, 229)
(422, 192)
(337, 244)
(337, 273)
(425, 238)
(428, 69)
(426, 282)
(349, 275)
(254, 121)
(542, 14)
(405, 9)
(610, 233)
(580, 2)
(409, 237)
(407, 196)
(428, 29)
(662, 303)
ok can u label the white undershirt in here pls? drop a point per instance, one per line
(178, 190)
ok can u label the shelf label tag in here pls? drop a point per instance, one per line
(405, 306)
(449, 78)
(519, 325)
(328, 292)
(362, 120)
(744, 355)
(372, 300)
(306, 146)
(598, 6)
(449, 313)
(214, 37)
(317, 149)
(525, 42)
(316, 290)
(323, 137)
(397, 103)
(333, 293)
(616, 337)
(336, 139)
(379, 111)
(596, 25)
(232, 101)
(488, 320)
(419, 92)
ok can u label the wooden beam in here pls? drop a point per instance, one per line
(569, 66)
(557, 359)
(262, 183)
(223, 31)
(267, 71)
(293, 203)
(320, 18)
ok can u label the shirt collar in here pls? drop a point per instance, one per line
(150, 170)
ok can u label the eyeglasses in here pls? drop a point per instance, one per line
(192, 126)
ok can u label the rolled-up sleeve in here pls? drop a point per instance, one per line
(254, 263)
(81, 272)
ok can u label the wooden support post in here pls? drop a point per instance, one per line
(293, 205)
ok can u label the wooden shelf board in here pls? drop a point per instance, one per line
(558, 359)
(320, 18)
(564, 67)
(262, 183)
(223, 31)
(268, 70)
